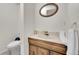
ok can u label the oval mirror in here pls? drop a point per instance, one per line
(48, 10)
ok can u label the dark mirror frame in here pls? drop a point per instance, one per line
(50, 14)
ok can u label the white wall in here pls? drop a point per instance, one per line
(53, 23)
(73, 12)
(29, 22)
(8, 24)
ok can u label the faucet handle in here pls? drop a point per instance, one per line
(46, 33)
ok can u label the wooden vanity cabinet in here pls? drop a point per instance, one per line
(41, 47)
(33, 50)
(54, 53)
(42, 51)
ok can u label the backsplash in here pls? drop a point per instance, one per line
(46, 33)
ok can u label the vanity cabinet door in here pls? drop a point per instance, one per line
(40, 47)
(32, 50)
(54, 53)
(42, 51)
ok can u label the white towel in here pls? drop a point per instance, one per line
(63, 37)
(72, 42)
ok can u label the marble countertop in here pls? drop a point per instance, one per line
(50, 38)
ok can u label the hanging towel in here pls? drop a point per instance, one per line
(63, 37)
(72, 42)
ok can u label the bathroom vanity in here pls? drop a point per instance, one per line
(43, 46)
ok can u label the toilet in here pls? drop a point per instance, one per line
(14, 48)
